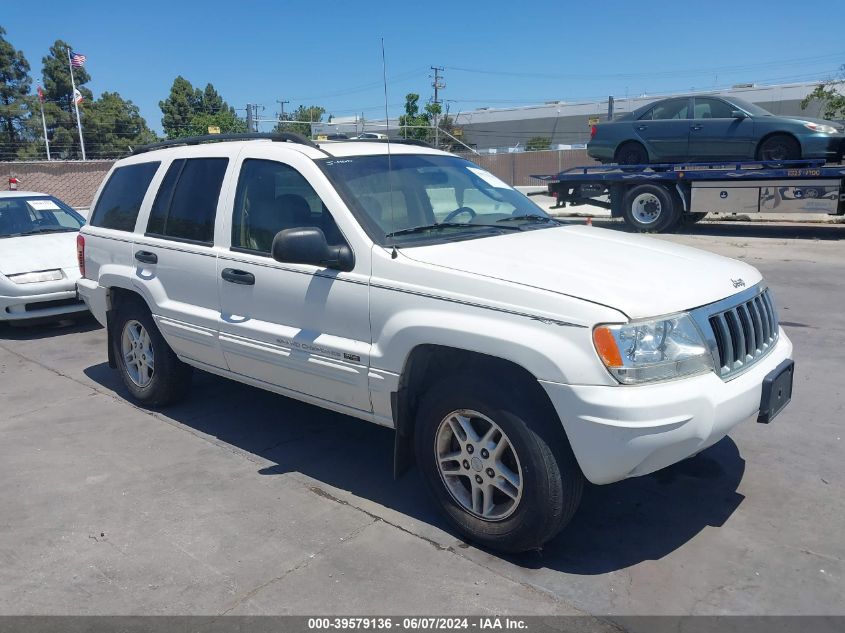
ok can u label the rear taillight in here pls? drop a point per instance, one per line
(593, 130)
(80, 253)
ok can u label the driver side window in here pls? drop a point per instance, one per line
(271, 197)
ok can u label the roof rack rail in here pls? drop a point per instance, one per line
(398, 141)
(280, 137)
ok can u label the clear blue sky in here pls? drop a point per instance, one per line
(495, 53)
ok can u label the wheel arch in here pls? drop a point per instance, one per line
(632, 141)
(769, 135)
(427, 363)
(118, 295)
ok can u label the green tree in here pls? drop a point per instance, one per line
(413, 123)
(299, 121)
(58, 109)
(828, 93)
(15, 102)
(179, 108)
(536, 143)
(225, 119)
(185, 102)
(113, 125)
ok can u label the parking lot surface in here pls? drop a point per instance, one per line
(240, 501)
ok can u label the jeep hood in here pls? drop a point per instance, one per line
(639, 276)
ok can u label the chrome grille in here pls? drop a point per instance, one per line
(744, 333)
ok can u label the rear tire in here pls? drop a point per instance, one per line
(779, 147)
(510, 488)
(150, 370)
(631, 153)
(650, 209)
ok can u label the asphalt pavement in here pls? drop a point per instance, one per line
(239, 501)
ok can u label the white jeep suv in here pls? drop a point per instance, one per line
(407, 287)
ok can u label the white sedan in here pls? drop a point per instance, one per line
(38, 265)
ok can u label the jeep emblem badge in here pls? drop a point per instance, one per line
(738, 283)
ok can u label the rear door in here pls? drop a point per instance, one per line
(664, 129)
(716, 135)
(298, 327)
(175, 258)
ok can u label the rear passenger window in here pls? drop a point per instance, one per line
(118, 205)
(186, 203)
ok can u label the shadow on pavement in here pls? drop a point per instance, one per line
(771, 230)
(47, 328)
(617, 525)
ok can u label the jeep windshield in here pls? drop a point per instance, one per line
(415, 199)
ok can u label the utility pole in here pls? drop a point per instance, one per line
(282, 103)
(249, 119)
(437, 87)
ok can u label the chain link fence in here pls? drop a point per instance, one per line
(517, 168)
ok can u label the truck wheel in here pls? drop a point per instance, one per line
(497, 467)
(150, 369)
(779, 147)
(631, 153)
(650, 209)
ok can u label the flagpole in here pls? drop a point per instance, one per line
(43, 122)
(75, 104)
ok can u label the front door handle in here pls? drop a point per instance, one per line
(642, 127)
(696, 127)
(238, 276)
(146, 257)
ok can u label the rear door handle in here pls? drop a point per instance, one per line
(146, 257)
(696, 127)
(238, 276)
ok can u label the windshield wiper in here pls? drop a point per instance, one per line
(532, 217)
(443, 225)
(57, 229)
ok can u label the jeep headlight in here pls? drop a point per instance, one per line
(656, 349)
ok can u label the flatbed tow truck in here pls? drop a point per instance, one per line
(655, 198)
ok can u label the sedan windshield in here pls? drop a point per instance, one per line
(413, 199)
(31, 215)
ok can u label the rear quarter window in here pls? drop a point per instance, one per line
(118, 205)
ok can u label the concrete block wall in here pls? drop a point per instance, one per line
(75, 182)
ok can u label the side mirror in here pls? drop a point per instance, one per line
(738, 114)
(307, 245)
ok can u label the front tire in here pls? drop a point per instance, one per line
(779, 147)
(150, 370)
(500, 471)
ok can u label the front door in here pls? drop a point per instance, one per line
(716, 135)
(302, 328)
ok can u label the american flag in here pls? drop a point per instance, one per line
(77, 60)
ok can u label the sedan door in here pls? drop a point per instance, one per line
(301, 328)
(715, 134)
(664, 130)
